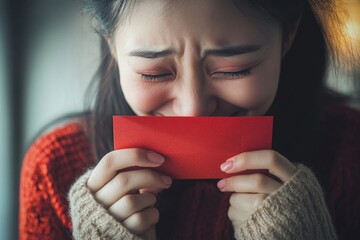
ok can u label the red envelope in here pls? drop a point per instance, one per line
(194, 147)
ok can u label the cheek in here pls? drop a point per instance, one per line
(141, 96)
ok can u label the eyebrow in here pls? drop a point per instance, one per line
(221, 52)
(232, 51)
(150, 54)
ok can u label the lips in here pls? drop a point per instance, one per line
(241, 112)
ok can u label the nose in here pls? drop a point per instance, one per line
(194, 98)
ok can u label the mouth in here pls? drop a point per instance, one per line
(241, 112)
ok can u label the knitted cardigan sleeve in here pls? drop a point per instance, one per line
(91, 220)
(296, 211)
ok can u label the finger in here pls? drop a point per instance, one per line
(237, 217)
(151, 190)
(116, 160)
(277, 164)
(130, 204)
(139, 222)
(247, 202)
(251, 183)
(128, 182)
(243, 205)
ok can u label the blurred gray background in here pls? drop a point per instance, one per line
(48, 55)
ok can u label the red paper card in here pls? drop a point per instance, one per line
(194, 147)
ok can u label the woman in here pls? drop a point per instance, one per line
(199, 58)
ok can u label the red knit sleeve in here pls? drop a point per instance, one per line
(50, 166)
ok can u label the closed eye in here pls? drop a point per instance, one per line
(232, 75)
(156, 77)
(217, 75)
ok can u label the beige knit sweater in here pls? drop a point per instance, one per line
(296, 211)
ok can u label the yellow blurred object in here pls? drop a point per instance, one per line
(349, 44)
(352, 25)
(352, 30)
(343, 29)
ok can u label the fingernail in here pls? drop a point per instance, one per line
(226, 166)
(166, 179)
(221, 184)
(155, 158)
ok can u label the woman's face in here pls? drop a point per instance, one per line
(198, 58)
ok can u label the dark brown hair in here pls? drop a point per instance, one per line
(301, 87)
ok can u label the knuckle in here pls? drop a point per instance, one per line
(231, 213)
(244, 156)
(91, 183)
(233, 199)
(229, 183)
(152, 199)
(128, 202)
(137, 154)
(121, 180)
(151, 176)
(259, 200)
(155, 215)
(240, 160)
(259, 181)
(139, 220)
(143, 219)
(273, 158)
(107, 161)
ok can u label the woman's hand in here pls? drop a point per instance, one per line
(251, 190)
(130, 196)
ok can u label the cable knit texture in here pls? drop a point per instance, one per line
(296, 211)
(90, 220)
(194, 210)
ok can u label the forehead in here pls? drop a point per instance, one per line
(219, 21)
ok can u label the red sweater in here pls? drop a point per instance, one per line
(58, 158)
